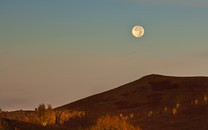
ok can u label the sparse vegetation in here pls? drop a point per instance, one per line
(65, 115)
(108, 122)
(45, 116)
(48, 116)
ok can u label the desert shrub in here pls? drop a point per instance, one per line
(174, 111)
(131, 115)
(108, 122)
(18, 115)
(45, 116)
(48, 116)
(177, 106)
(205, 98)
(196, 101)
(150, 113)
(65, 115)
(165, 109)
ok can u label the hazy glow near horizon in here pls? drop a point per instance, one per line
(56, 52)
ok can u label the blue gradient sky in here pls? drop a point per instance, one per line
(56, 52)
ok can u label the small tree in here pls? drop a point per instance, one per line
(45, 116)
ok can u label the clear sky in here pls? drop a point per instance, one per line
(59, 51)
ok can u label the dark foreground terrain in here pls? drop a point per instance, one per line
(156, 102)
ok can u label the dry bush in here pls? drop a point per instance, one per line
(65, 115)
(165, 109)
(177, 106)
(108, 122)
(48, 116)
(196, 101)
(19, 115)
(150, 113)
(205, 98)
(45, 116)
(174, 111)
(131, 115)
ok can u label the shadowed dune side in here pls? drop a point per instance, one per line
(151, 93)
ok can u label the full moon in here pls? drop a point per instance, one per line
(137, 31)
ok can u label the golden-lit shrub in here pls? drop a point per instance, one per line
(205, 98)
(150, 113)
(65, 115)
(177, 106)
(174, 111)
(131, 115)
(165, 109)
(108, 122)
(45, 116)
(196, 101)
